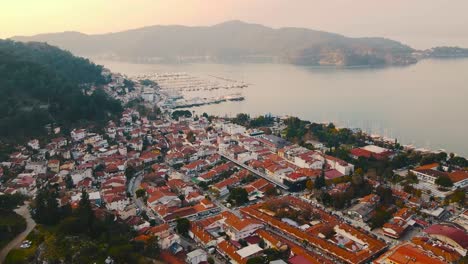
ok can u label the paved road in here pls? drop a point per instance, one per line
(135, 184)
(30, 224)
(256, 172)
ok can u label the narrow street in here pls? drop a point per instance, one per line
(134, 184)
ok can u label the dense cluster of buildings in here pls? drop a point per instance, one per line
(151, 173)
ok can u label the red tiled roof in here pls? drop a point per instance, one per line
(332, 174)
(359, 152)
(455, 234)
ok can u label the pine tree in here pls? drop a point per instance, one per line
(47, 210)
(320, 180)
(85, 212)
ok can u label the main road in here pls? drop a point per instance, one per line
(256, 172)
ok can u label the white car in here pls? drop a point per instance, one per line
(26, 244)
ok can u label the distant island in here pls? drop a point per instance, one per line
(237, 41)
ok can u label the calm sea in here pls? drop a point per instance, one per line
(425, 104)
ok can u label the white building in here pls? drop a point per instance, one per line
(38, 167)
(196, 256)
(166, 242)
(148, 94)
(116, 202)
(233, 128)
(34, 144)
(248, 251)
(78, 134)
(80, 175)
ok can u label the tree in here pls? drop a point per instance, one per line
(444, 181)
(181, 113)
(357, 179)
(38, 74)
(257, 260)
(242, 119)
(262, 243)
(325, 198)
(129, 172)
(359, 171)
(243, 243)
(459, 196)
(380, 218)
(152, 247)
(69, 182)
(238, 196)
(183, 226)
(271, 191)
(140, 193)
(191, 137)
(182, 199)
(85, 212)
(310, 185)
(386, 195)
(46, 207)
(320, 181)
(11, 201)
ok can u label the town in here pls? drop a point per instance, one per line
(247, 190)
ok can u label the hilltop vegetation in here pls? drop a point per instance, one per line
(41, 84)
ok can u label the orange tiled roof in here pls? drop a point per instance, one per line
(296, 250)
(457, 176)
(231, 251)
(155, 230)
(408, 253)
(143, 238)
(227, 182)
(374, 245)
(235, 222)
(199, 232)
(427, 166)
(447, 253)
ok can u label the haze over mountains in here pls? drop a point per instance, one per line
(236, 41)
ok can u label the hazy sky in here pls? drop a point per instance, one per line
(420, 23)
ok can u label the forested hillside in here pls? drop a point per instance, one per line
(41, 84)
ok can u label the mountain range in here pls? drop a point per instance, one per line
(236, 41)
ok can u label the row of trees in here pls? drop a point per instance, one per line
(181, 113)
(260, 121)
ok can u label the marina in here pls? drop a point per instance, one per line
(183, 90)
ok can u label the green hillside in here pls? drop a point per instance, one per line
(41, 84)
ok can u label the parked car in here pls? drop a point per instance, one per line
(26, 244)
